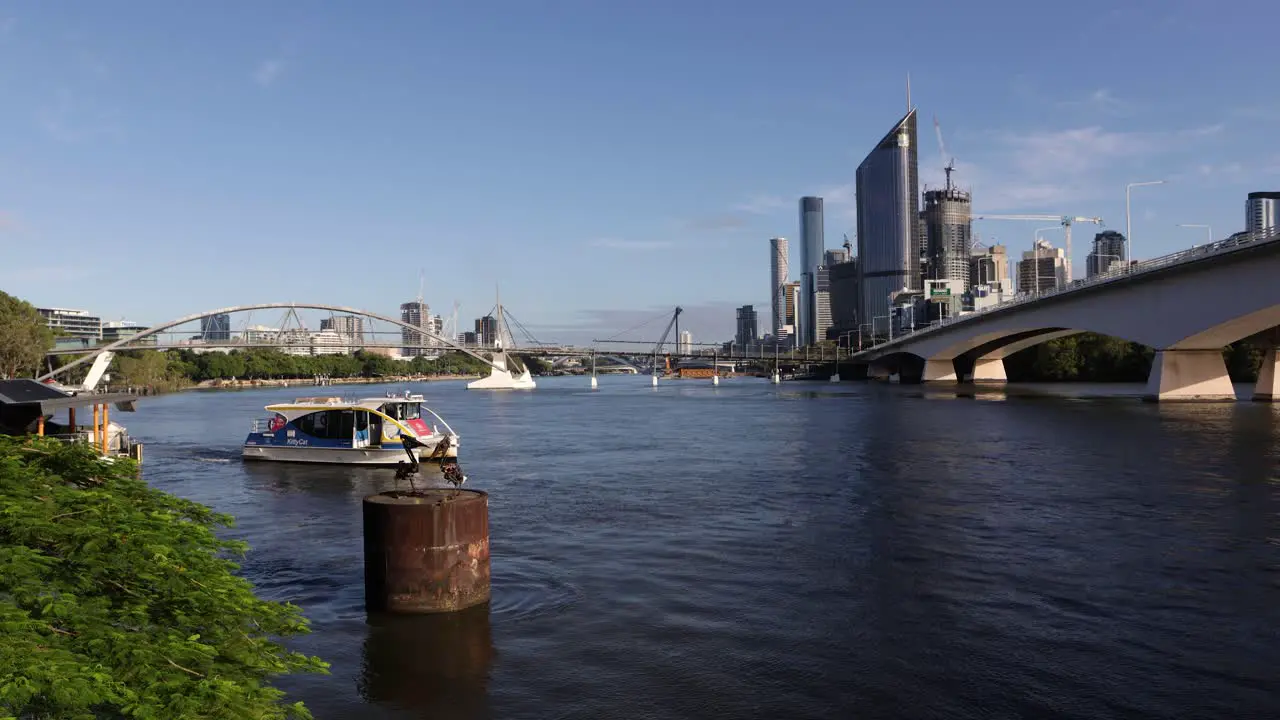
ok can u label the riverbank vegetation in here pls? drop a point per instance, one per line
(118, 600)
(1089, 357)
(175, 369)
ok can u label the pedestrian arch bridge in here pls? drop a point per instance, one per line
(1188, 307)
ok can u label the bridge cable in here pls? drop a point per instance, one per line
(523, 329)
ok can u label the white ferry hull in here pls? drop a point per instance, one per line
(385, 457)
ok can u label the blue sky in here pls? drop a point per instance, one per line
(600, 159)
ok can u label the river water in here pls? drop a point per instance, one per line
(793, 551)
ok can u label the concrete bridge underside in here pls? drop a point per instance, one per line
(1187, 313)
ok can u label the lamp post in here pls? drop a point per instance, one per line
(1128, 225)
(1207, 229)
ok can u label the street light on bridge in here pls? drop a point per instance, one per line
(1199, 225)
(1128, 225)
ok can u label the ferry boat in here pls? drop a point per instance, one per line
(351, 432)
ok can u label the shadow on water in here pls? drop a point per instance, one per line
(433, 665)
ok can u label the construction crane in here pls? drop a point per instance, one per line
(948, 163)
(1065, 220)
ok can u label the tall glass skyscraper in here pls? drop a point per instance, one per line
(812, 246)
(1262, 211)
(889, 234)
(779, 274)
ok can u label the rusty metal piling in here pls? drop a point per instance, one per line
(426, 551)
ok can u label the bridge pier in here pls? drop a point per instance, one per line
(1189, 376)
(939, 371)
(989, 370)
(1267, 388)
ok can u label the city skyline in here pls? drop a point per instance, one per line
(149, 138)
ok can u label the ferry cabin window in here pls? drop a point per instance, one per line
(412, 411)
(393, 411)
(328, 424)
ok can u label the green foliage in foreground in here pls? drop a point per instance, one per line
(118, 601)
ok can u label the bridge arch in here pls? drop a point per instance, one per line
(124, 343)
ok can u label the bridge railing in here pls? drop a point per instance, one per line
(1196, 253)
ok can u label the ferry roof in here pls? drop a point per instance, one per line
(337, 402)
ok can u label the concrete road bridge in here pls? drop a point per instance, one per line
(1187, 306)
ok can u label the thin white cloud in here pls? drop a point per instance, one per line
(761, 205)
(71, 118)
(268, 71)
(631, 245)
(1101, 101)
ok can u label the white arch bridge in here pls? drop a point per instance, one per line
(498, 362)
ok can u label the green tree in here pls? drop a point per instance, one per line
(118, 600)
(24, 337)
(143, 368)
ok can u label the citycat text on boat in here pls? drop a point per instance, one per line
(345, 431)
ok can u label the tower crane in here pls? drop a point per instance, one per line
(948, 164)
(1065, 220)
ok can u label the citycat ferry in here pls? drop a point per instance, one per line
(351, 432)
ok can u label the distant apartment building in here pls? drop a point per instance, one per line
(684, 345)
(117, 330)
(349, 327)
(990, 268)
(216, 328)
(469, 339)
(748, 326)
(330, 342)
(487, 330)
(295, 341)
(255, 334)
(1262, 211)
(1041, 269)
(417, 314)
(1108, 250)
(76, 323)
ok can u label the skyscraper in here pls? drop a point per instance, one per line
(779, 274)
(417, 314)
(821, 303)
(216, 328)
(949, 232)
(812, 245)
(487, 330)
(1262, 211)
(889, 235)
(747, 326)
(1108, 250)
